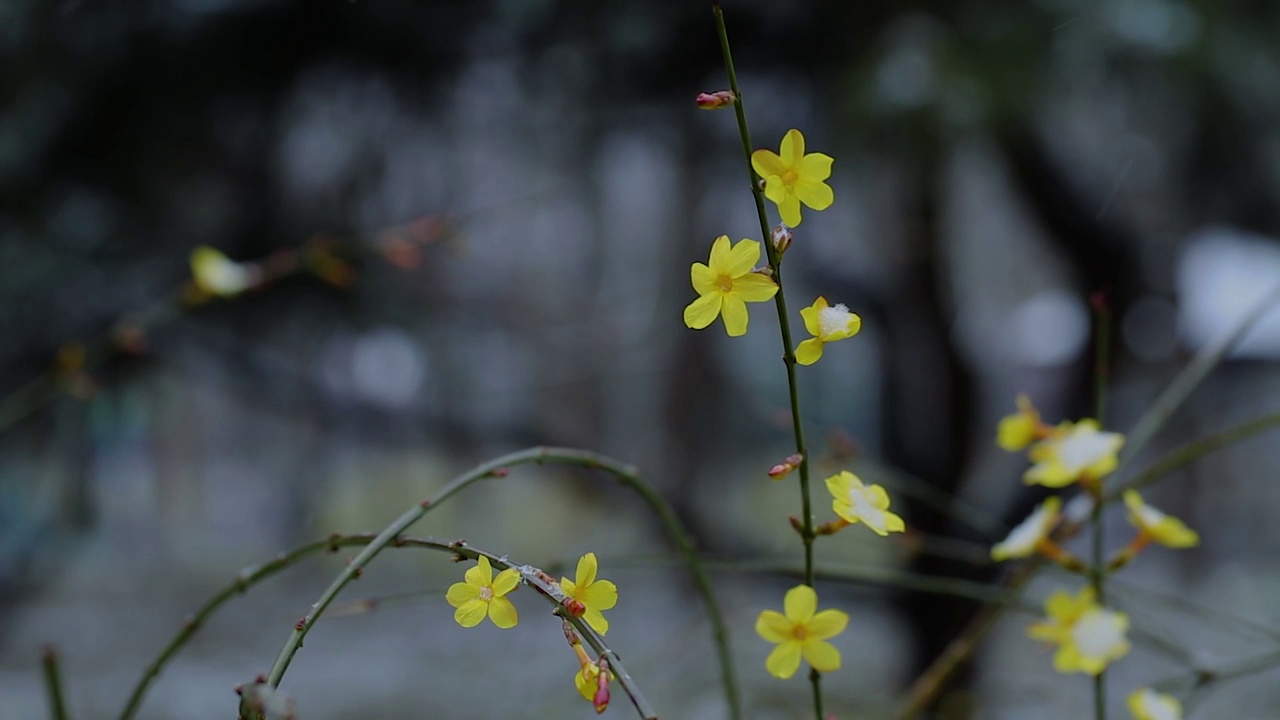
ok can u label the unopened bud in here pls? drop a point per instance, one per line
(716, 100)
(784, 468)
(601, 699)
(575, 607)
(781, 238)
(796, 524)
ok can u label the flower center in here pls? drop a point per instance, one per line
(800, 632)
(1098, 634)
(832, 320)
(789, 177)
(865, 511)
(724, 283)
(1083, 448)
(486, 593)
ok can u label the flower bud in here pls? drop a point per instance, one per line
(716, 100)
(601, 699)
(784, 468)
(781, 238)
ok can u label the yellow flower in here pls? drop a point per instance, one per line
(801, 632)
(1073, 452)
(1026, 538)
(1088, 636)
(215, 274)
(1147, 704)
(794, 178)
(826, 324)
(1020, 429)
(595, 595)
(587, 680)
(1164, 529)
(726, 285)
(482, 594)
(867, 504)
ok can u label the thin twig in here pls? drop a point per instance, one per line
(53, 683)
(627, 475)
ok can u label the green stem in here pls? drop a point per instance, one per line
(1097, 568)
(626, 475)
(807, 535)
(53, 682)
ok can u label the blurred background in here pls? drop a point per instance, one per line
(473, 223)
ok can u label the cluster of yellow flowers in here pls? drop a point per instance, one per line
(482, 595)
(730, 279)
(1088, 635)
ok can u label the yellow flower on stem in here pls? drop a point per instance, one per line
(595, 595)
(726, 285)
(826, 324)
(482, 594)
(793, 177)
(1031, 533)
(216, 274)
(1075, 451)
(1020, 429)
(801, 632)
(1155, 525)
(1088, 635)
(1147, 704)
(867, 504)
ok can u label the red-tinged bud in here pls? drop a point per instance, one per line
(575, 607)
(500, 472)
(784, 468)
(601, 698)
(781, 238)
(570, 634)
(716, 100)
(796, 524)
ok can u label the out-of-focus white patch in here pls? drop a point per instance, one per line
(387, 368)
(1049, 329)
(1223, 274)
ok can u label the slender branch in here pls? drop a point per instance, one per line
(627, 475)
(53, 683)
(807, 534)
(1097, 566)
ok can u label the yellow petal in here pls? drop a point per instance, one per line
(596, 620)
(741, 258)
(703, 311)
(814, 167)
(470, 613)
(799, 604)
(809, 351)
(585, 681)
(773, 626)
(827, 624)
(601, 595)
(811, 315)
(704, 281)
(766, 163)
(775, 189)
(503, 613)
(894, 523)
(822, 655)
(792, 148)
(878, 497)
(567, 586)
(734, 312)
(587, 566)
(816, 195)
(784, 660)
(789, 209)
(840, 484)
(505, 582)
(481, 574)
(460, 593)
(720, 255)
(754, 287)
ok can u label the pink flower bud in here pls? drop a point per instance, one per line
(716, 100)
